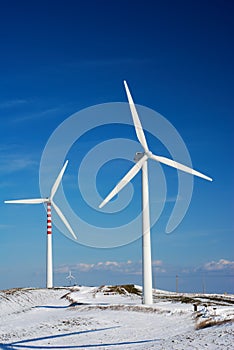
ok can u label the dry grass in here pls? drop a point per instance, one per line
(13, 291)
(179, 298)
(120, 307)
(210, 322)
(123, 289)
(65, 296)
(209, 300)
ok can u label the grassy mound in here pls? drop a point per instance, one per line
(123, 289)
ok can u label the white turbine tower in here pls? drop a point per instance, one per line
(141, 164)
(50, 202)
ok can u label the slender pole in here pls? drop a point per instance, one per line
(49, 282)
(146, 244)
(177, 283)
(203, 285)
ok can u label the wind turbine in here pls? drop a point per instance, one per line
(141, 164)
(50, 202)
(70, 277)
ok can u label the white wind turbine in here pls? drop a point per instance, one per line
(70, 277)
(50, 202)
(141, 164)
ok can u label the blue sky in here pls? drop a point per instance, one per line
(58, 58)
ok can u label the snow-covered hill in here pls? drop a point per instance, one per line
(112, 317)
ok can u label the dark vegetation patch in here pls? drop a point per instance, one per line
(198, 300)
(14, 291)
(210, 322)
(122, 307)
(123, 289)
(65, 296)
(222, 299)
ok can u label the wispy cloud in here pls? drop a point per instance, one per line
(12, 103)
(124, 267)
(49, 112)
(16, 164)
(130, 267)
(12, 160)
(220, 265)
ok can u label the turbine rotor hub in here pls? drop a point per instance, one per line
(149, 154)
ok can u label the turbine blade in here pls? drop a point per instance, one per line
(28, 201)
(125, 180)
(179, 166)
(138, 127)
(57, 181)
(64, 220)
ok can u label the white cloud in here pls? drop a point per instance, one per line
(222, 264)
(83, 267)
(157, 266)
(125, 267)
(62, 269)
(111, 263)
(157, 263)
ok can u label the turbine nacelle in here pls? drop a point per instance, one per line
(138, 156)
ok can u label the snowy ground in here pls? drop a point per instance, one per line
(101, 318)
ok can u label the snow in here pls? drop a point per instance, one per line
(98, 317)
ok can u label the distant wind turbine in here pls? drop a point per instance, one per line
(70, 277)
(50, 202)
(141, 164)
